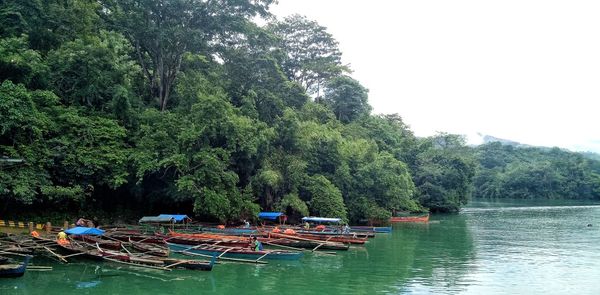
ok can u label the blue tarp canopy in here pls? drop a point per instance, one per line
(321, 219)
(177, 218)
(80, 230)
(269, 215)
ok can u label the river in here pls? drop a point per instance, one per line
(489, 248)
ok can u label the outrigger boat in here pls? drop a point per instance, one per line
(200, 239)
(325, 238)
(149, 261)
(236, 252)
(281, 240)
(374, 229)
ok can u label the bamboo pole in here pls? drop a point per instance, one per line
(58, 256)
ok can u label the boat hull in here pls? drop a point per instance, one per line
(14, 271)
(374, 229)
(424, 218)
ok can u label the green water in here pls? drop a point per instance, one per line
(495, 248)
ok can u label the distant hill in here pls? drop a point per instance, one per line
(488, 138)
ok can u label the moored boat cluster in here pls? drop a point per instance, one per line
(192, 247)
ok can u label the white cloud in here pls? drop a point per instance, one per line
(522, 70)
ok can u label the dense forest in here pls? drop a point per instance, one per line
(219, 110)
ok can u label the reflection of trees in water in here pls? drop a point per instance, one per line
(435, 255)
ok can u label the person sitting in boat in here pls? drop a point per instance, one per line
(276, 230)
(61, 238)
(307, 225)
(346, 229)
(289, 231)
(256, 244)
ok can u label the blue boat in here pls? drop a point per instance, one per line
(14, 270)
(236, 252)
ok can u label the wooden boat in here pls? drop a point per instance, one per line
(104, 243)
(420, 218)
(278, 241)
(337, 233)
(374, 229)
(236, 252)
(14, 270)
(150, 249)
(323, 237)
(199, 239)
(146, 239)
(230, 230)
(148, 261)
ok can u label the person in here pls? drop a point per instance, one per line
(256, 244)
(306, 225)
(246, 224)
(81, 222)
(61, 238)
(276, 230)
(346, 229)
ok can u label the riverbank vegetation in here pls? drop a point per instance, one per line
(143, 106)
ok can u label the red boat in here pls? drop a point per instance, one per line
(420, 218)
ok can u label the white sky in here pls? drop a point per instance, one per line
(523, 70)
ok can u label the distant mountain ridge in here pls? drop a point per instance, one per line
(485, 138)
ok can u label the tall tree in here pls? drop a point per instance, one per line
(347, 98)
(309, 54)
(162, 31)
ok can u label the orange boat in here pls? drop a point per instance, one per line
(421, 218)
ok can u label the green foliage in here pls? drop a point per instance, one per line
(324, 198)
(21, 64)
(444, 173)
(90, 71)
(293, 203)
(63, 151)
(309, 55)
(531, 173)
(347, 98)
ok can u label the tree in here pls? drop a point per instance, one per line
(347, 98)
(325, 199)
(21, 64)
(309, 55)
(92, 71)
(444, 173)
(163, 31)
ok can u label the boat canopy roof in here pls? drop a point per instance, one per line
(321, 219)
(176, 217)
(270, 215)
(156, 219)
(80, 230)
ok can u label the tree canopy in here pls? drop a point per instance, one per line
(191, 106)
